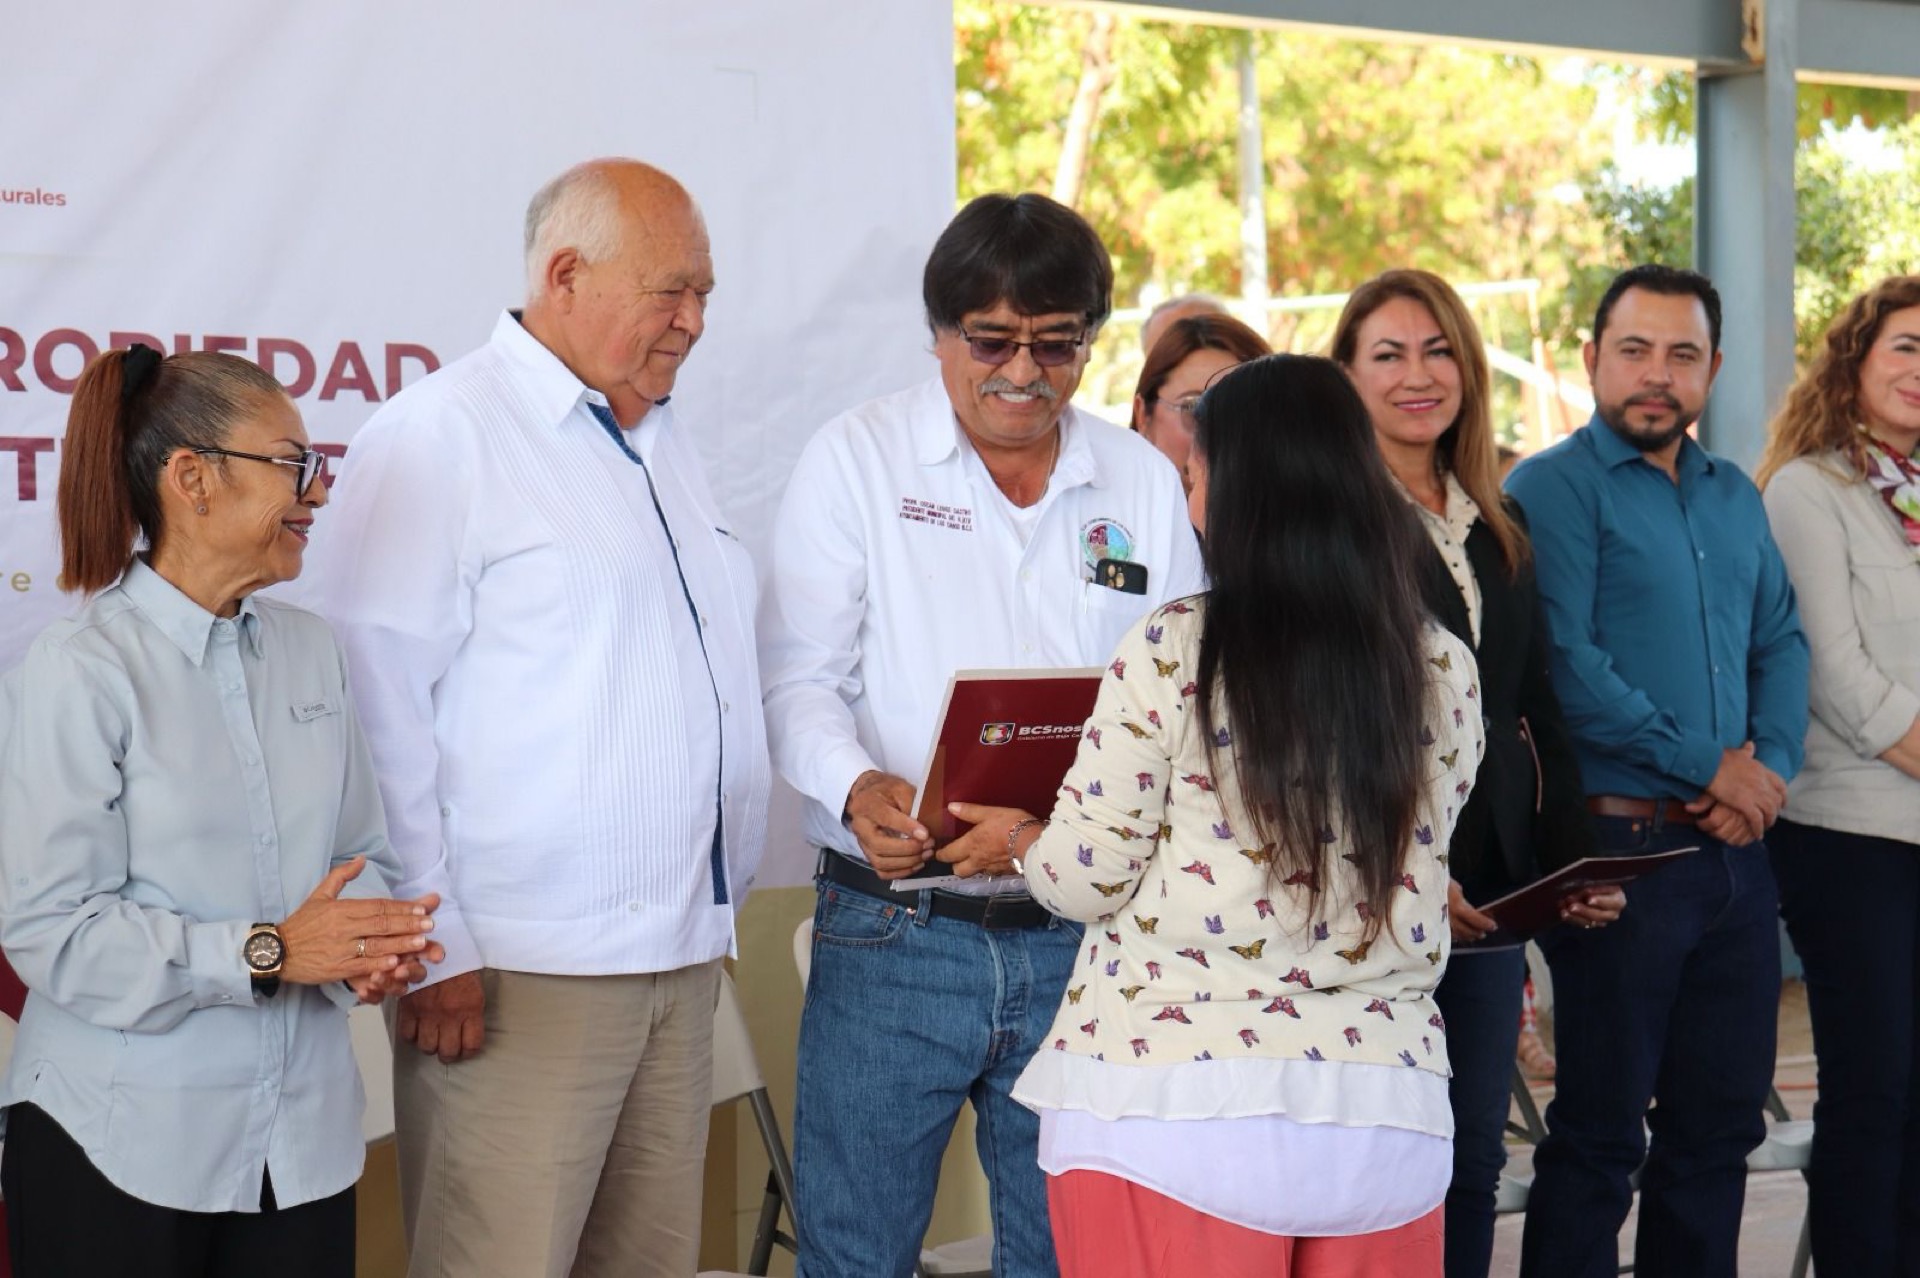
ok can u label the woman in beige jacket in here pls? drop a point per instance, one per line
(1842, 490)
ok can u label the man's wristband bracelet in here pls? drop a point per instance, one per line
(1014, 833)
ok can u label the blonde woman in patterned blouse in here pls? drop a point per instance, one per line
(1254, 831)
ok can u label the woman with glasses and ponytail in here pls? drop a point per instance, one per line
(192, 854)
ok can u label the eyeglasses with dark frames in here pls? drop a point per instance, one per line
(1047, 352)
(308, 464)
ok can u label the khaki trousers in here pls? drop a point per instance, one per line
(572, 1145)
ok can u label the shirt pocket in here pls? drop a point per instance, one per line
(306, 754)
(1105, 615)
(1886, 585)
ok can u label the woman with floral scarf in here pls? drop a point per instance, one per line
(1842, 491)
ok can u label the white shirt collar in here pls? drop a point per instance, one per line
(551, 386)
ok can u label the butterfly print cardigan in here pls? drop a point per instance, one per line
(1191, 951)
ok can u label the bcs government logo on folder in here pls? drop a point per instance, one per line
(1005, 738)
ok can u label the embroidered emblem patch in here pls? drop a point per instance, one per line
(1103, 539)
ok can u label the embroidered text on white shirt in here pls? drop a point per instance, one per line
(920, 511)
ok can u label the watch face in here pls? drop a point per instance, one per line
(263, 951)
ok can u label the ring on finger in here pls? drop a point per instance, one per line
(360, 948)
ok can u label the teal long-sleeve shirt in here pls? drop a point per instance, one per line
(1675, 634)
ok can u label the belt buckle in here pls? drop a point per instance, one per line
(992, 902)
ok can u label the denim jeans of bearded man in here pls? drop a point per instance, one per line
(908, 1017)
(1675, 1005)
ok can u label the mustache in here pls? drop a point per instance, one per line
(1658, 397)
(1038, 386)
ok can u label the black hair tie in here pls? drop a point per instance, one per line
(137, 368)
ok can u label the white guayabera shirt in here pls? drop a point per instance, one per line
(551, 639)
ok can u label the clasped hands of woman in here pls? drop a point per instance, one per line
(379, 947)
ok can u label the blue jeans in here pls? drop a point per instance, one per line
(1480, 999)
(1852, 905)
(1676, 1003)
(908, 1017)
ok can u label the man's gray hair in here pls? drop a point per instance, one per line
(579, 210)
(1195, 303)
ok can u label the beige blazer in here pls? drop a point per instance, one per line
(1858, 586)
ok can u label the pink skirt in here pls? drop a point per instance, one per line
(1106, 1227)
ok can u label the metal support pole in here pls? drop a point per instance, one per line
(1253, 181)
(1744, 229)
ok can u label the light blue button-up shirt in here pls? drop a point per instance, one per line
(168, 778)
(1673, 623)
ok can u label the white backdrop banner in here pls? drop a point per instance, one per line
(335, 189)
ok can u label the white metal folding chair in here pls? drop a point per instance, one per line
(1788, 1147)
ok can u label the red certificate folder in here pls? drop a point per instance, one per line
(1006, 739)
(1536, 907)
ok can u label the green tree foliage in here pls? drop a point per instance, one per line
(1641, 224)
(1669, 110)
(1477, 165)
(1857, 222)
(1376, 154)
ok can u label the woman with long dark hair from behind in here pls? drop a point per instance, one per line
(1250, 1072)
(1415, 355)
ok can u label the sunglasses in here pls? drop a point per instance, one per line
(1048, 352)
(308, 463)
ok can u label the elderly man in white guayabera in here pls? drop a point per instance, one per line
(550, 629)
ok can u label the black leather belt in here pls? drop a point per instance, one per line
(1003, 912)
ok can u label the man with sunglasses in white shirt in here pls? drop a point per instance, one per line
(954, 525)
